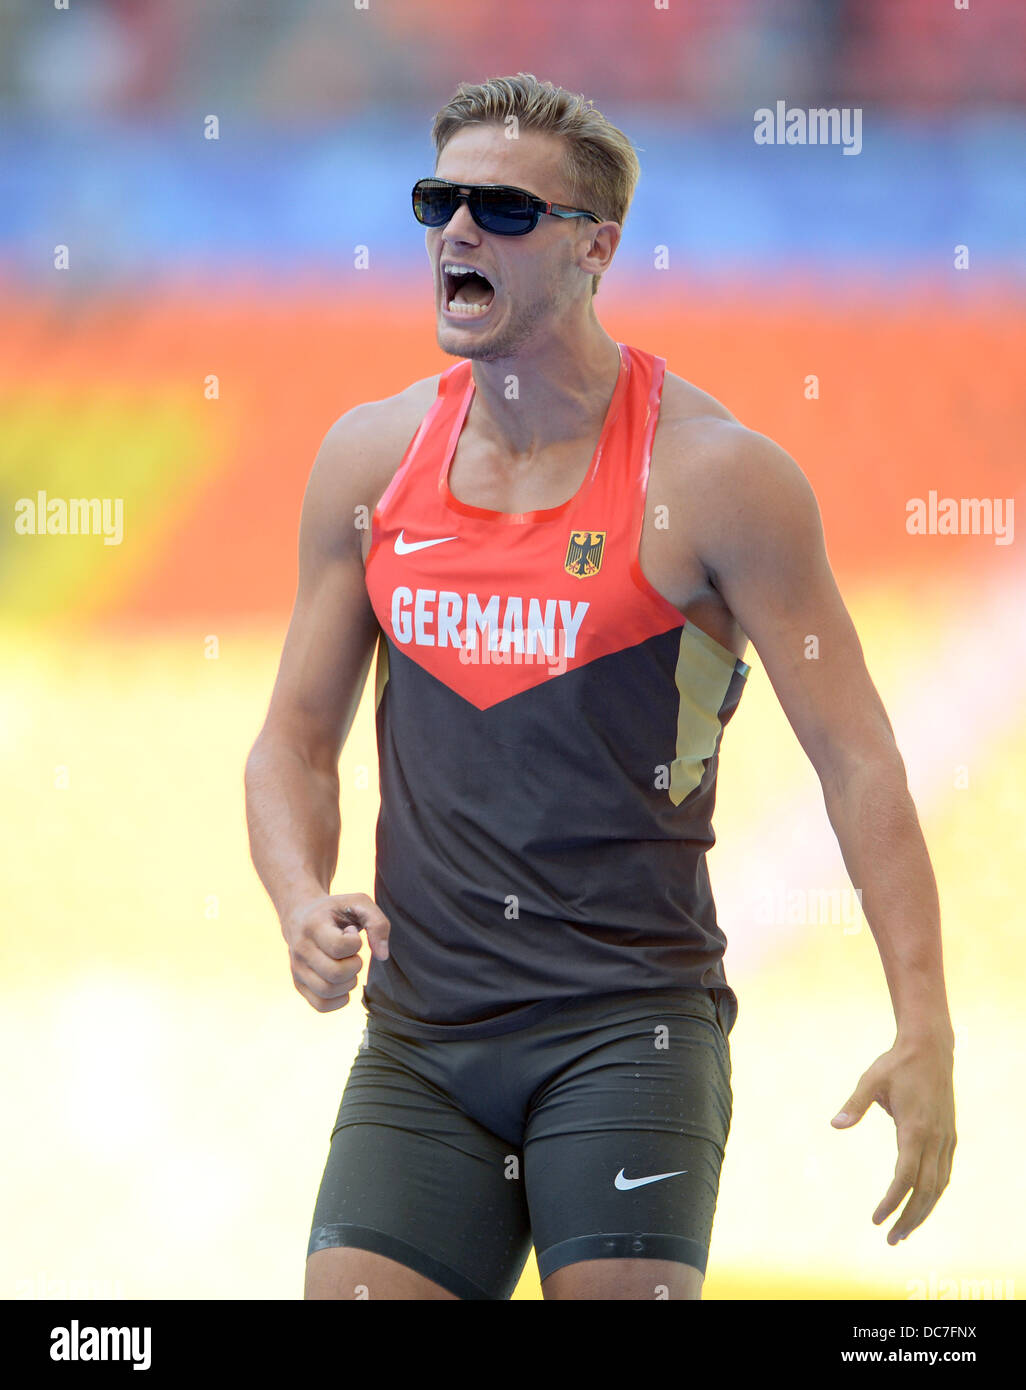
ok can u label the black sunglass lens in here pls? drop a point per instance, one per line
(506, 213)
(433, 205)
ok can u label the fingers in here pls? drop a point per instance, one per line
(924, 1168)
(321, 994)
(363, 912)
(863, 1096)
(324, 947)
(327, 976)
(918, 1098)
(330, 940)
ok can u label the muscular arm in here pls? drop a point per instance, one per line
(292, 787)
(762, 544)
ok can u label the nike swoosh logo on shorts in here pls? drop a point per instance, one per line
(404, 547)
(625, 1184)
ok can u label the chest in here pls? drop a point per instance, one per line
(667, 547)
(670, 528)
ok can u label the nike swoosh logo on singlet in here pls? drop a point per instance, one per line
(404, 547)
(625, 1184)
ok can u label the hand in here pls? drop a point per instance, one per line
(912, 1082)
(324, 945)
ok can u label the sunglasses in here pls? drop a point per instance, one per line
(494, 207)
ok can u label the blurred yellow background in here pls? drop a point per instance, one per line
(168, 1096)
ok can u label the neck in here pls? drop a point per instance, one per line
(564, 383)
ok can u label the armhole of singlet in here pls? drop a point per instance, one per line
(640, 492)
(640, 501)
(406, 462)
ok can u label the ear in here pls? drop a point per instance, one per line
(598, 245)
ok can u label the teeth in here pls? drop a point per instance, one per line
(467, 310)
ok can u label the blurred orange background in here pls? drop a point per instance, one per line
(207, 254)
(174, 1095)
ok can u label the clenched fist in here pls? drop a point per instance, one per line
(323, 937)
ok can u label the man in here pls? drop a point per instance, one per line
(570, 550)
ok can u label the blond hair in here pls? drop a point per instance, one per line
(600, 165)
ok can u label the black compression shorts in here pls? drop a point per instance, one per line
(596, 1133)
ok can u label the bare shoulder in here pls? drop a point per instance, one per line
(367, 443)
(682, 403)
(731, 476)
(358, 458)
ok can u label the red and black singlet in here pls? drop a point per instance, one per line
(548, 737)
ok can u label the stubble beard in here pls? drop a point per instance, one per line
(526, 319)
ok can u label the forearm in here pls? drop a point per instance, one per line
(292, 811)
(877, 828)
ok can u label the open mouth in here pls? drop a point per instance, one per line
(465, 291)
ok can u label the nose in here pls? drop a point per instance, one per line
(461, 223)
